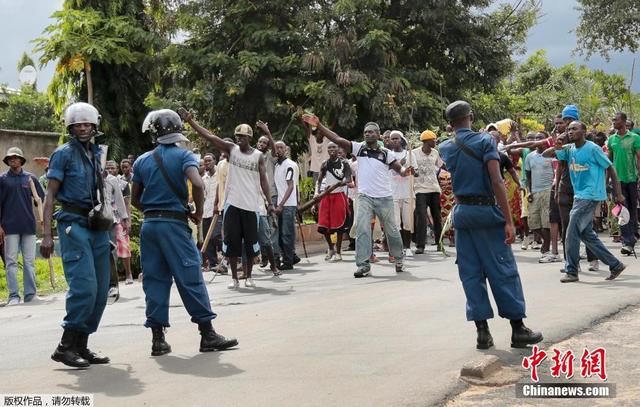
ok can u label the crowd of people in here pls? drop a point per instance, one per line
(238, 206)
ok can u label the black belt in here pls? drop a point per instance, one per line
(76, 209)
(167, 215)
(476, 200)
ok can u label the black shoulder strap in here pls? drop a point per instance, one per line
(174, 188)
(467, 150)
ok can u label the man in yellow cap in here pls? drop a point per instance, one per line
(427, 162)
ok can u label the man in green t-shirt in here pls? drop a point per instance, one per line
(624, 151)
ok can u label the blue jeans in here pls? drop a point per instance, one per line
(628, 231)
(287, 234)
(264, 231)
(580, 227)
(85, 259)
(27, 245)
(369, 207)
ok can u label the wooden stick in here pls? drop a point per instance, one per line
(304, 246)
(38, 203)
(315, 200)
(209, 233)
(412, 195)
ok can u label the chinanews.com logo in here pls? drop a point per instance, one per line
(591, 366)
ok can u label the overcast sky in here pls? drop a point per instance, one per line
(24, 20)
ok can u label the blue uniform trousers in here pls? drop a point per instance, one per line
(85, 259)
(482, 255)
(168, 253)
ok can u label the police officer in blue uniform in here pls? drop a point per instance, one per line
(74, 180)
(484, 230)
(168, 252)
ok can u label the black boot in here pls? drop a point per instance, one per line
(67, 353)
(85, 353)
(158, 345)
(485, 340)
(522, 336)
(211, 340)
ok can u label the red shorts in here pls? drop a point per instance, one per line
(332, 213)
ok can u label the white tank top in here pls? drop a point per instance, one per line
(243, 180)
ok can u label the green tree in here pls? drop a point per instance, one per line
(608, 26)
(105, 52)
(28, 110)
(350, 61)
(539, 91)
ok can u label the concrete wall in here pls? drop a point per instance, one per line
(32, 143)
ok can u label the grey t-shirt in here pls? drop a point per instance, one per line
(541, 171)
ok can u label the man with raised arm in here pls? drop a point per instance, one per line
(374, 189)
(246, 184)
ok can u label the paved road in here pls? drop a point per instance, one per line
(620, 336)
(316, 337)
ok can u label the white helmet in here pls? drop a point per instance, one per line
(81, 113)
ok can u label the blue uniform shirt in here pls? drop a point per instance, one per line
(16, 203)
(587, 168)
(469, 177)
(70, 165)
(157, 195)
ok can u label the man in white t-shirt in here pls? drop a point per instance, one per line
(286, 177)
(210, 181)
(427, 162)
(402, 205)
(246, 180)
(374, 190)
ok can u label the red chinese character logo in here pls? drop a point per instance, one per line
(532, 362)
(562, 363)
(593, 363)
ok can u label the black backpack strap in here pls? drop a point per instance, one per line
(183, 199)
(467, 150)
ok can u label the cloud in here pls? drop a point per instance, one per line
(555, 34)
(23, 21)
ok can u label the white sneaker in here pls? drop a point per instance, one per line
(129, 281)
(233, 285)
(594, 265)
(535, 245)
(583, 255)
(408, 252)
(249, 283)
(13, 301)
(337, 257)
(550, 258)
(330, 254)
(526, 241)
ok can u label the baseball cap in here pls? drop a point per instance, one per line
(244, 130)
